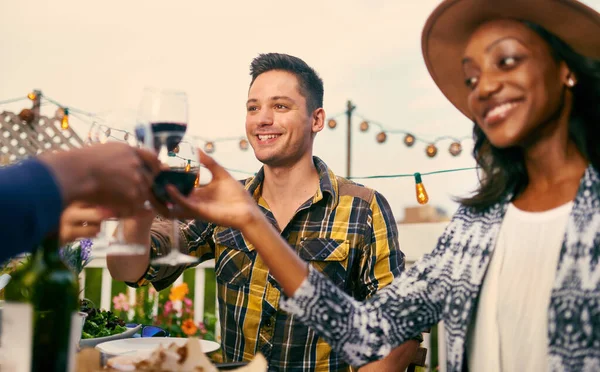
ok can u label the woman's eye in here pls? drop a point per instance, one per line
(508, 62)
(471, 82)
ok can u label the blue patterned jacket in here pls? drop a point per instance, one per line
(445, 285)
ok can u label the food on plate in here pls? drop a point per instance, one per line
(184, 358)
(101, 323)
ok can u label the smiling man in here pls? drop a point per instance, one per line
(345, 230)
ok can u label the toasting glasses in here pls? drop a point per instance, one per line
(161, 126)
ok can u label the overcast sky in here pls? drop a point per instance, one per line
(98, 57)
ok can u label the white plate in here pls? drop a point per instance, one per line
(148, 344)
(91, 342)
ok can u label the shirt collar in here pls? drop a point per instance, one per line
(328, 183)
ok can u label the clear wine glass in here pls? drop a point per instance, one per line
(115, 125)
(161, 125)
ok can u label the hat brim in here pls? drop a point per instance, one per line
(451, 24)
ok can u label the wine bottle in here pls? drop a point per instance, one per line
(42, 303)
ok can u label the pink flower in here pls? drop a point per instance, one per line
(202, 328)
(120, 302)
(168, 307)
(187, 302)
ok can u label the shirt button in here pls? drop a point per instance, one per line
(268, 323)
(323, 255)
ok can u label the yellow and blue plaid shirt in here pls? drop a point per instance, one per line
(345, 230)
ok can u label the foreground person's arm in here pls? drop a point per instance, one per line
(30, 206)
(360, 331)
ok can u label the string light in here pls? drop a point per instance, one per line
(209, 147)
(364, 126)
(381, 137)
(410, 139)
(455, 148)
(26, 115)
(421, 193)
(422, 196)
(431, 150)
(64, 123)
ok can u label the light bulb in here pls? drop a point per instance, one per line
(64, 123)
(455, 148)
(422, 196)
(364, 126)
(209, 147)
(381, 137)
(431, 150)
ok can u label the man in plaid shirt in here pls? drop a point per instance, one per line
(343, 229)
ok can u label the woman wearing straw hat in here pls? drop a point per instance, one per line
(516, 275)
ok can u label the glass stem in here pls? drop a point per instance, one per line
(175, 241)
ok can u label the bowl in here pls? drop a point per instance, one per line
(92, 342)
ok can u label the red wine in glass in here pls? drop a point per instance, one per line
(167, 134)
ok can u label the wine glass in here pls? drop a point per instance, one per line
(161, 126)
(115, 125)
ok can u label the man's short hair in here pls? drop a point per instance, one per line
(309, 82)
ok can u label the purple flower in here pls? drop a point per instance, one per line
(77, 255)
(63, 252)
(86, 249)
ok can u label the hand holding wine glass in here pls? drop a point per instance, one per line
(223, 201)
(161, 126)
(81, 220)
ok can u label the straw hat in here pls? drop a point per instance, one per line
(449, 27)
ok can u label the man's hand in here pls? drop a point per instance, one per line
(80, 220)
(223, 201)
(113, 175)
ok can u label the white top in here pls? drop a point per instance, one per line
(510, 331)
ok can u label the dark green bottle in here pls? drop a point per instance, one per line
(42, 299)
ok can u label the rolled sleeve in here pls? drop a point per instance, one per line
(195, 239)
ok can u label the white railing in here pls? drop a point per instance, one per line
(99, 262)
